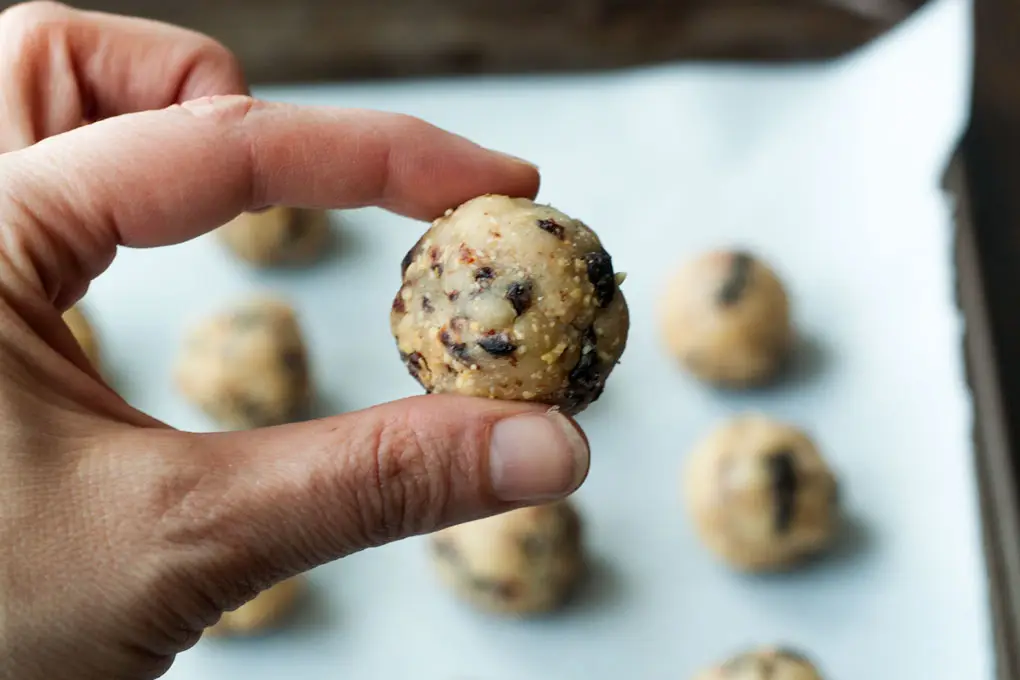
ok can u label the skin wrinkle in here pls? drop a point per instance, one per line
(54, 257)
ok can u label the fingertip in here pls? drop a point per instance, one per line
(526, 174)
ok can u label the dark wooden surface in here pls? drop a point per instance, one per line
(991, 149)
(309, 40)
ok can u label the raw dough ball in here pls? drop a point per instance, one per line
(265, 611)
(769, 663)
(726, 317)
(277, 236)
(247, 367)
(81, 329)
(760, 494)
(507, 299)
(521, 562)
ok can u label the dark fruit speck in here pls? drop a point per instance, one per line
(552, 227)
(415, 363)
(458, 350)
(585, 382)
(602, 277)
(518, 294)
(783, 478)
(498, 345)
(409, 257)
(737, 279)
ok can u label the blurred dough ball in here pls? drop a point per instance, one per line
(247, 367)
(760, 494)
(82, 330)
(767, 663)
(726, 317)
(522, 562)
(267, 610)
(278, 236)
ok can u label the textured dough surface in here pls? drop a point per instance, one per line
(81, 329)
(769, 663)
(522, 562)
(726, 317)
(508, 299)
(266, 610)
(247, 367)
(278, 236)
(760, 494)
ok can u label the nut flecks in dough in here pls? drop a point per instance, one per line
(523, 562)
(277, 236)
(247, 367)
(760, 494)
(507, 299)
(766, 663)
(265, 611)
(81, 328)
(726, 318)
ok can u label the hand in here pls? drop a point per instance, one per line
(123, 538)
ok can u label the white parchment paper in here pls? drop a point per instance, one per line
(829, 172)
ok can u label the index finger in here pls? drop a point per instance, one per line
(163, 177)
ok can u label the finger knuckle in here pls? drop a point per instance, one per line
(31, 23)
(409, 474)
(217, 55)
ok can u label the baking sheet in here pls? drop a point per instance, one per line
(831, 173)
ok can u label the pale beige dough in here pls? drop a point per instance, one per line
(278, 236)
(81, 328)
(523, 562)
(265, 611)
(760, 495)
(766, 663)
(507, 299)
(725, 316)
(247, 367)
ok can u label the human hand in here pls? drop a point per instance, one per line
(124, 538)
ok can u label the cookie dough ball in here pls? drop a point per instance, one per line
(508, 299)
(277, 236)
(726, 317)
(81, 329)
(760, 494)
(247, 367)
(768, 663)
(267, 610)
(523, 562)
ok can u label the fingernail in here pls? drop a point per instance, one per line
(536, 457)
(516, 159)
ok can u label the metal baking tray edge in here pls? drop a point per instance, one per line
(993, 445)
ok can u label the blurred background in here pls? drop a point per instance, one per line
(306, 40)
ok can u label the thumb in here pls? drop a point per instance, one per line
(281, 500)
